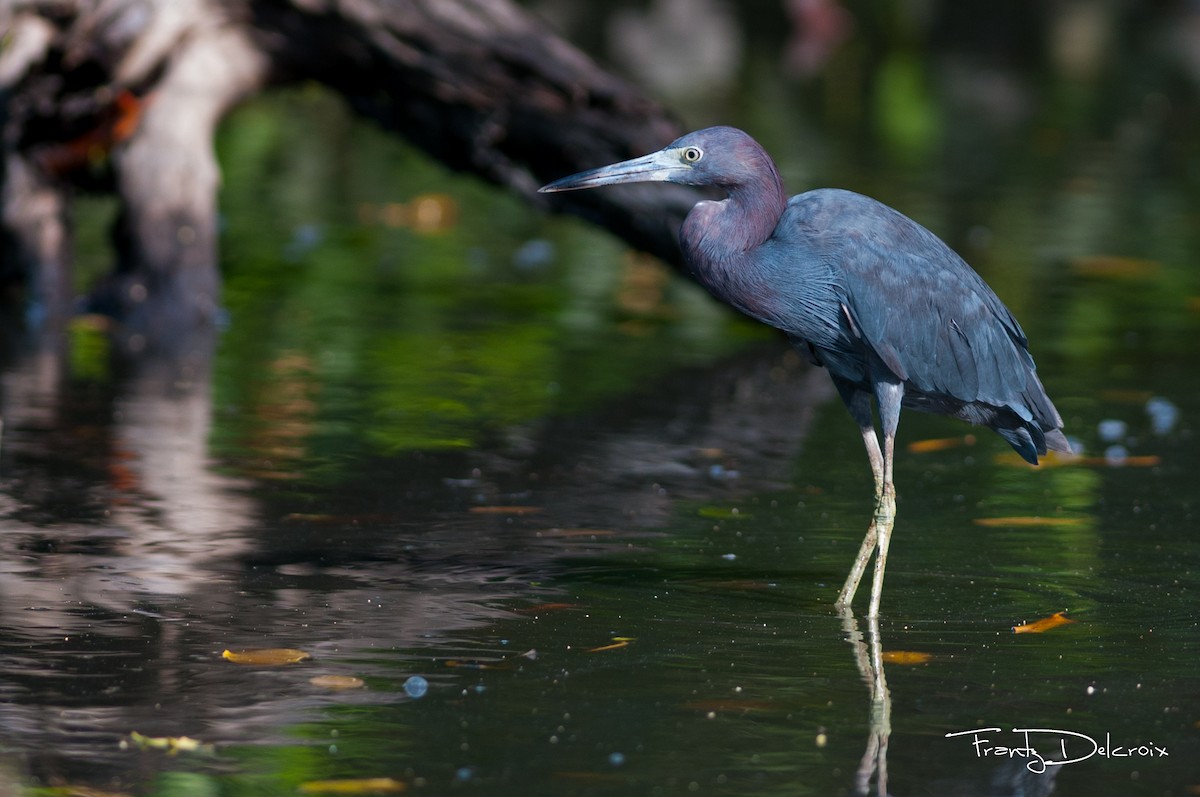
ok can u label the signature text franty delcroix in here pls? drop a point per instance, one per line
(1047, 747)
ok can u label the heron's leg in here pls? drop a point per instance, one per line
(859, 404)
(871, 540)
(889, 396)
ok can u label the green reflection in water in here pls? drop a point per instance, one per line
(349, 337)
(351, 331)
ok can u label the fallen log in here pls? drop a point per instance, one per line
(481, 85)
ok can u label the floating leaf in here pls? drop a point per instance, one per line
(723, 514)
(1144, 461)
(555, 533)
(940, 444)
(337, 682)
(1122, 396)
(426, 213)
(1057, 522)
(548, 607)
(505, 510)
(1045, 624)
(266, 657)
(353, 786)
(1051, 459)
(1055, 459)
(906, 657)
(171, 744)
(618, 642)
(1114, 266)
(82, 791)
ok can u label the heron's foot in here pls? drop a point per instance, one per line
(885, 519)
(885, 508)
(873, 544)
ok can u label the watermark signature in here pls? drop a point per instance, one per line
(1048, 747)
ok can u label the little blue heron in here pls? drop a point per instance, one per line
(861, 289)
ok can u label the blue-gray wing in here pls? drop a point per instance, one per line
(906, 296)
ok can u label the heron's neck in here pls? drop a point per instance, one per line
(719, 235)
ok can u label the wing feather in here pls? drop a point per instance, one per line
(902, 293)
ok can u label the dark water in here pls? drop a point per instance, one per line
(601, 518)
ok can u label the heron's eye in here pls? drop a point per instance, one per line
(692, 154)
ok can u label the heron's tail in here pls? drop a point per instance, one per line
(1030, 439)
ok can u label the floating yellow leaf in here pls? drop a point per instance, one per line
(337, 682)
(353, 786)
(618, 642)
(172, 744)
(1123, 396)
(266, 657)
(83, 791)
(1114, 266)
(940, 444)
(722, 514)
(505, 510)
(906, 657)
(553, 533)
(1055, 459)
(426, 213)
(548, 607)
(1052, 459)
(1058, 522)
(1045, 624)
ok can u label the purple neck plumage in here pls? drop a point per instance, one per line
(717, 235)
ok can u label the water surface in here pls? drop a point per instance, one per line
(603, 519)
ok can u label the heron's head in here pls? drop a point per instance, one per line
(718, 156)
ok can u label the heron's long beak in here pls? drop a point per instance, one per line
(657, 167)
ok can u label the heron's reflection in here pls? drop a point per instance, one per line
(1012, 778)
(868, 655)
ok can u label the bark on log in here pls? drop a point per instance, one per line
(481, 85)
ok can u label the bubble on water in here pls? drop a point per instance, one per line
(416, 686)
(305, 238)
(464, 773)
(1112, 430)
(616, 759)
(1163, 415)
(534, 255)
(722, 473)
